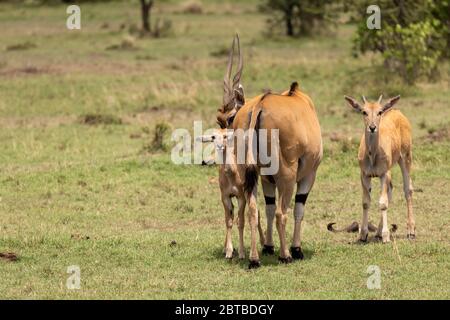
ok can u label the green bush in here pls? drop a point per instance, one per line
(411, 39)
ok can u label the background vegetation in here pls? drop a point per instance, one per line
(86, 177)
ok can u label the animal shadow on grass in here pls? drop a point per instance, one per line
(266, 260)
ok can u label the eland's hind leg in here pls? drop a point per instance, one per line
(303, 188)
(285, 190)
(261, 232)
(241, 224)
(405, 165)
(253, 222)
(228, 207)
(269, 190)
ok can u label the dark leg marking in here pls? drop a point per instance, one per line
(269, 200)
(301, 198)
(297, 253)
(268, 250)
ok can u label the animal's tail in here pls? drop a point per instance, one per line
(251, 172)
(354, 227)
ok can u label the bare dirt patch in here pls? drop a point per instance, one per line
(439, 135)
(27, 71)
(35, 122)
(77, 236)
(21, 46)
(159, 113)
(98, 119)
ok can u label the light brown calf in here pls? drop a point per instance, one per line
(385, 142)
(231, 185)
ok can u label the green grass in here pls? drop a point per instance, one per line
(88, 195)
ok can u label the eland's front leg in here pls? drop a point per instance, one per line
(366, 186)
(405, 166)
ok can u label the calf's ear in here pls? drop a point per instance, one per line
(390, 103)
(353, 103)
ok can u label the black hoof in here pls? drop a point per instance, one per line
(268, 250)
(360, 240)
(285, 260)
(296, 253)
(254, 264)
(411, 236)
(378, 237)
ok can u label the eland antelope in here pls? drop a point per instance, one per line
(299, 155)
(231, 185)
(385, 142)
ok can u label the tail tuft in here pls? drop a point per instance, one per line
(354, 227)
(251, 178)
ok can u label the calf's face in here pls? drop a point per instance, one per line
(219, 137)
(372, 111)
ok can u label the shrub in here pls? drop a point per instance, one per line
(300, 17)
(411, 39)
(159, 138)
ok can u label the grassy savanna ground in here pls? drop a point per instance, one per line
(90, 195)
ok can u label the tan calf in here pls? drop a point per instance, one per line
(231, 185)
(385, 142)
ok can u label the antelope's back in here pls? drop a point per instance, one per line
(296, 119)
(394, 124)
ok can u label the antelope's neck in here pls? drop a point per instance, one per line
(228, 161)
(372, 142)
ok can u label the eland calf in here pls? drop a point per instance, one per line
(385, 142)
(231, 185)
